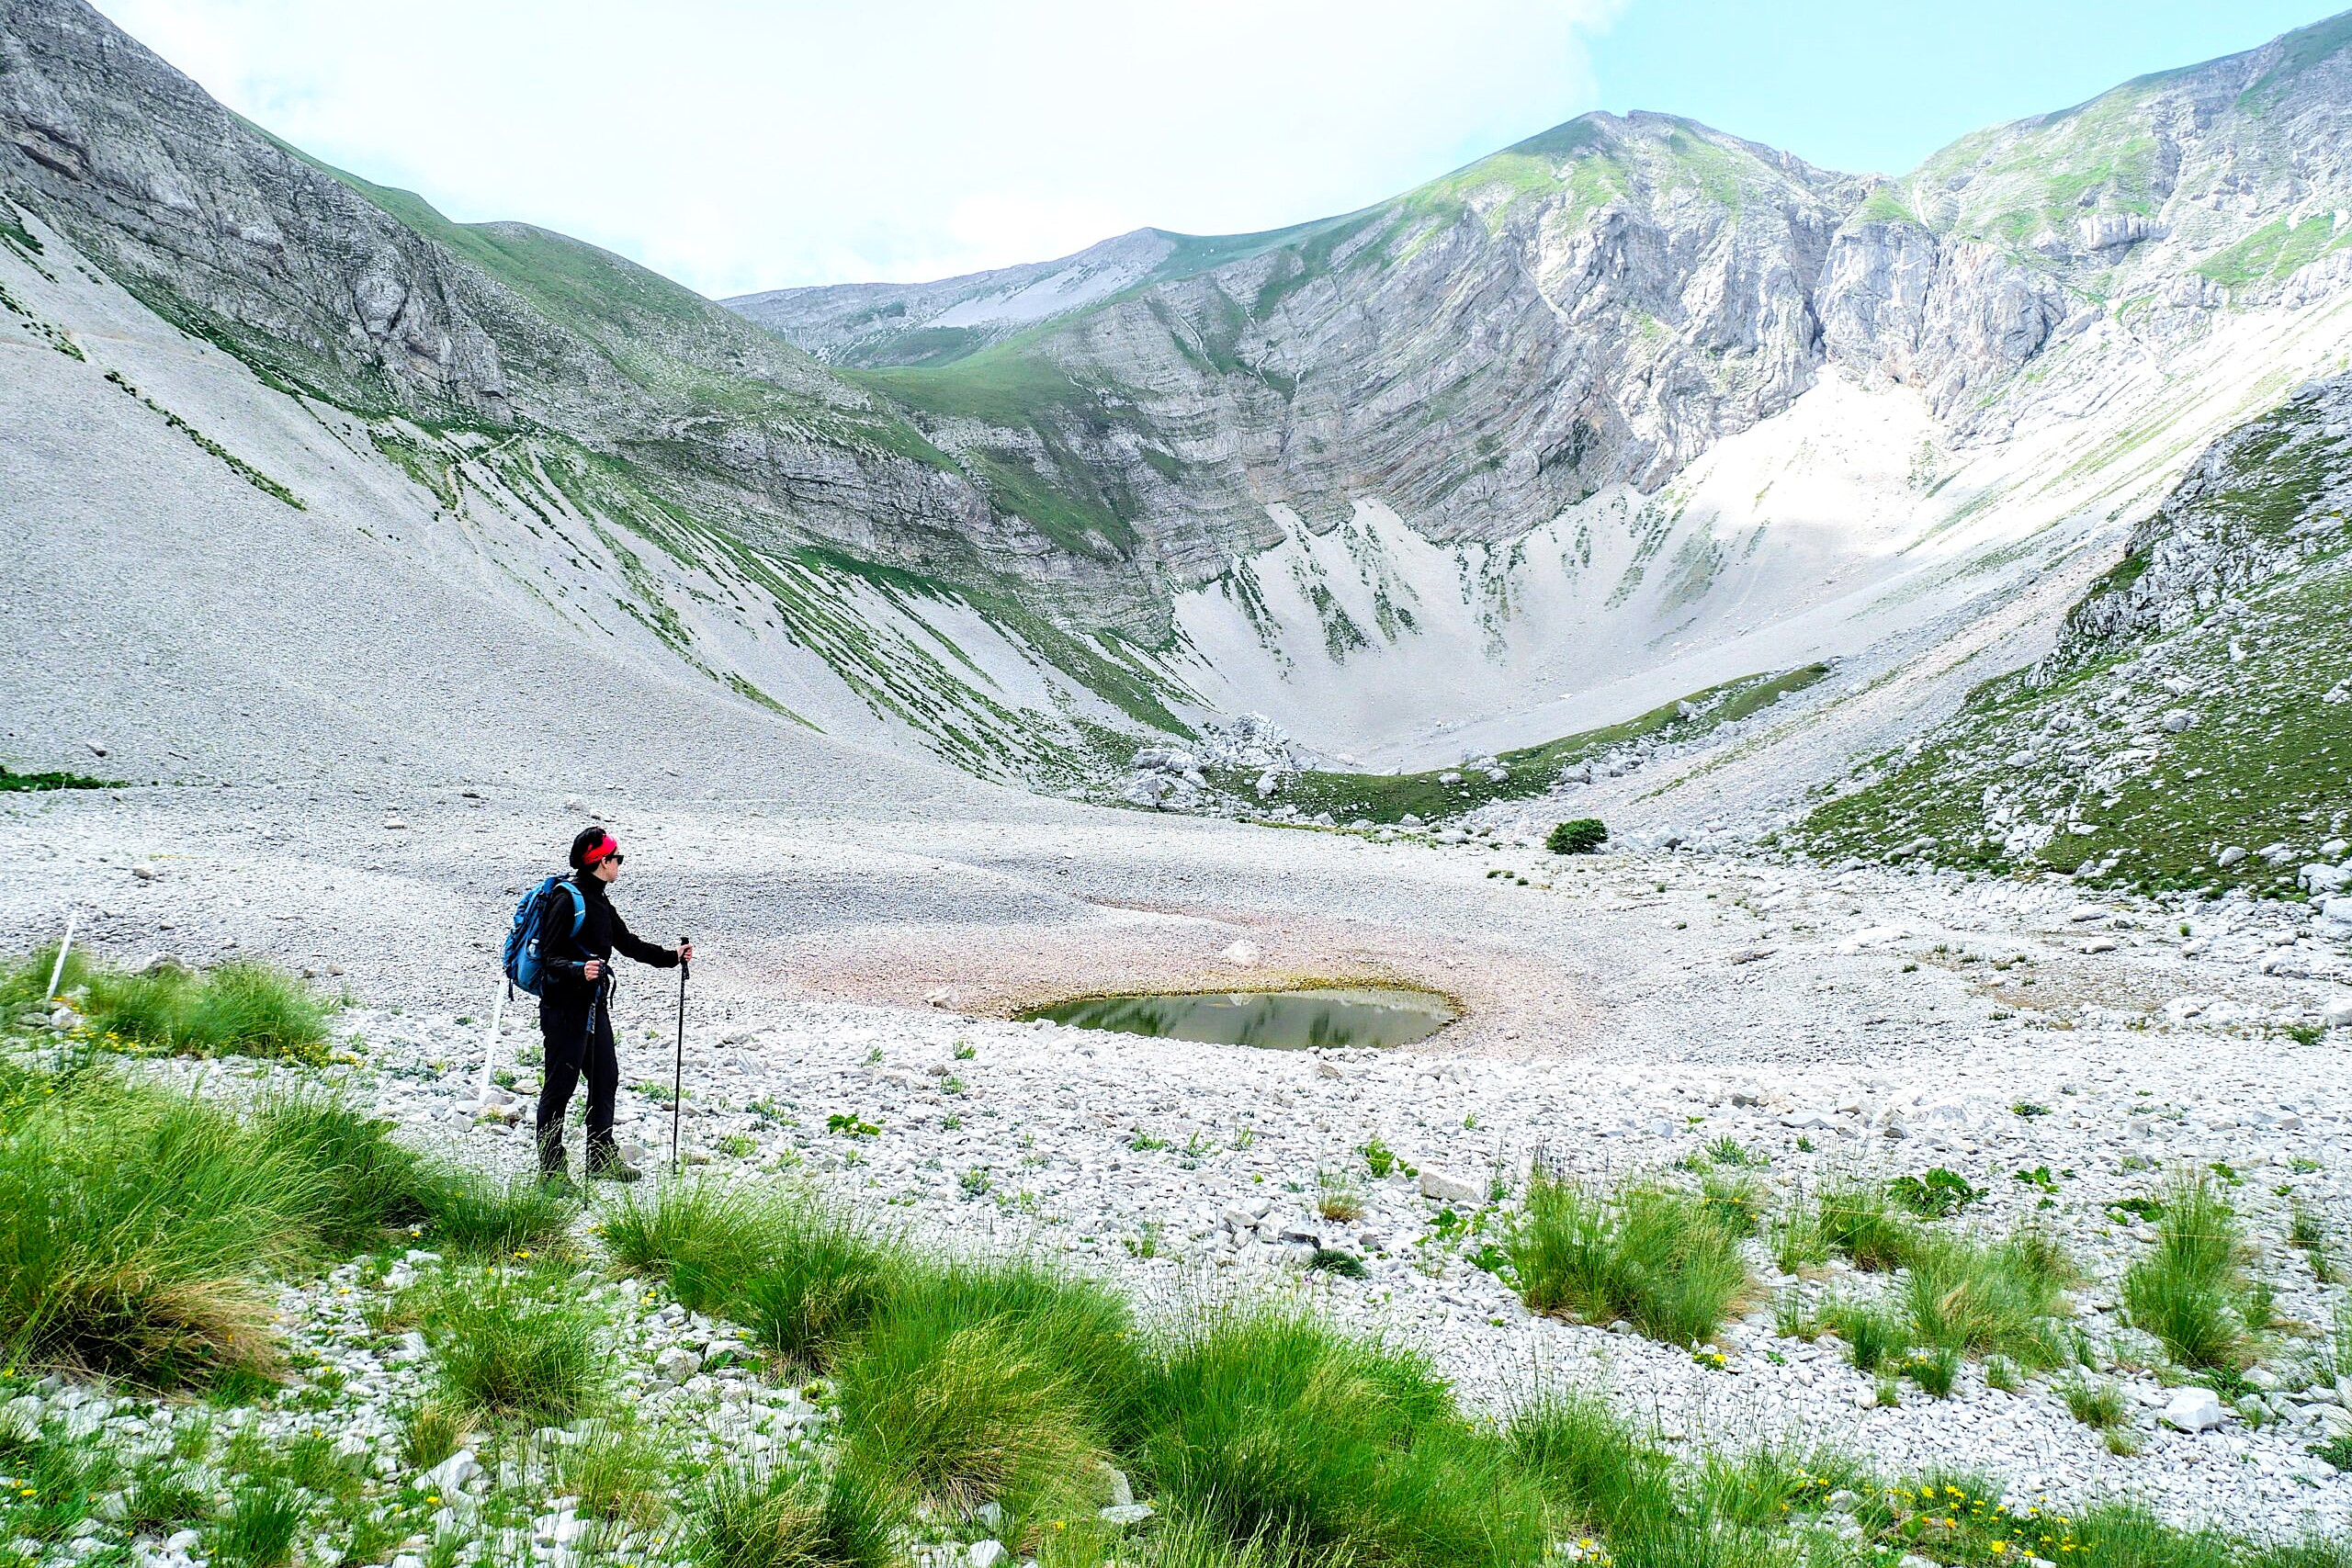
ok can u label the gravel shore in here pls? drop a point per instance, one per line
(1623, 1013)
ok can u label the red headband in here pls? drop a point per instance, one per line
(608, 845)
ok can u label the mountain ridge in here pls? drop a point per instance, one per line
(1625, 411)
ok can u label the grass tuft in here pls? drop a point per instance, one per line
(1666, 1261)
(1278, 1429)
(259, 1527)
(246, 1007)
(133, 1223)
(1986, 1300)
(2190, 1290)
(978, 1383)
(511, 1343)
(766, 1515)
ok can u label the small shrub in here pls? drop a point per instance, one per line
(1378, 1157)
(1938, 1194)
(1664, 1260)
(1331, 1260)
(508, 1344)
(1577, 836)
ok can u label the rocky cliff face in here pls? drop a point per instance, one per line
(370, 299)
(1604, 302)
(876, 324)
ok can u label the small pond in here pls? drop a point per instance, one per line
(1277, 1021)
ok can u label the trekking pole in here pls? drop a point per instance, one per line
(57, 973)
(678, 1073)
(57, 970)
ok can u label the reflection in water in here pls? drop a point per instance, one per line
(1277, 1021)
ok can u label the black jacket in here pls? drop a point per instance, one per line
(602, 933)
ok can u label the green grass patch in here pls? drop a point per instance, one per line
(54, 779)
(248, 1008)
(1529, 771)
(140, 1228)
(782, 1516)
(1665, 1260)
(135, 1226)
(2191, 1290)
(515, 1344)
(1997, 1300)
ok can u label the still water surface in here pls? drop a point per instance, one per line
(1277, 1021)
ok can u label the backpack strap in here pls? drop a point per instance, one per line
(579, 904)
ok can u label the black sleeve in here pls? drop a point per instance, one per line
(628, 942)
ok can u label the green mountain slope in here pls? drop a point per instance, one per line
(2193, 727)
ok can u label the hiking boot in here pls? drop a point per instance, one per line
(614, 1169)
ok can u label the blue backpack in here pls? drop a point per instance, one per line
(525, 959)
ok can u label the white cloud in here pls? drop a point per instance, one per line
(739, 146)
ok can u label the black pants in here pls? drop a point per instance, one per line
(570, 1045)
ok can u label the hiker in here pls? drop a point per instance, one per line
(574, 1020)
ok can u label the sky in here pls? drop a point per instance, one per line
(746, 144)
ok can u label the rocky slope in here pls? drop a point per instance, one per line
(2191, 726)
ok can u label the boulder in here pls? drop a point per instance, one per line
(1447, 1188)
(2194, 1410)
(449, 1477)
